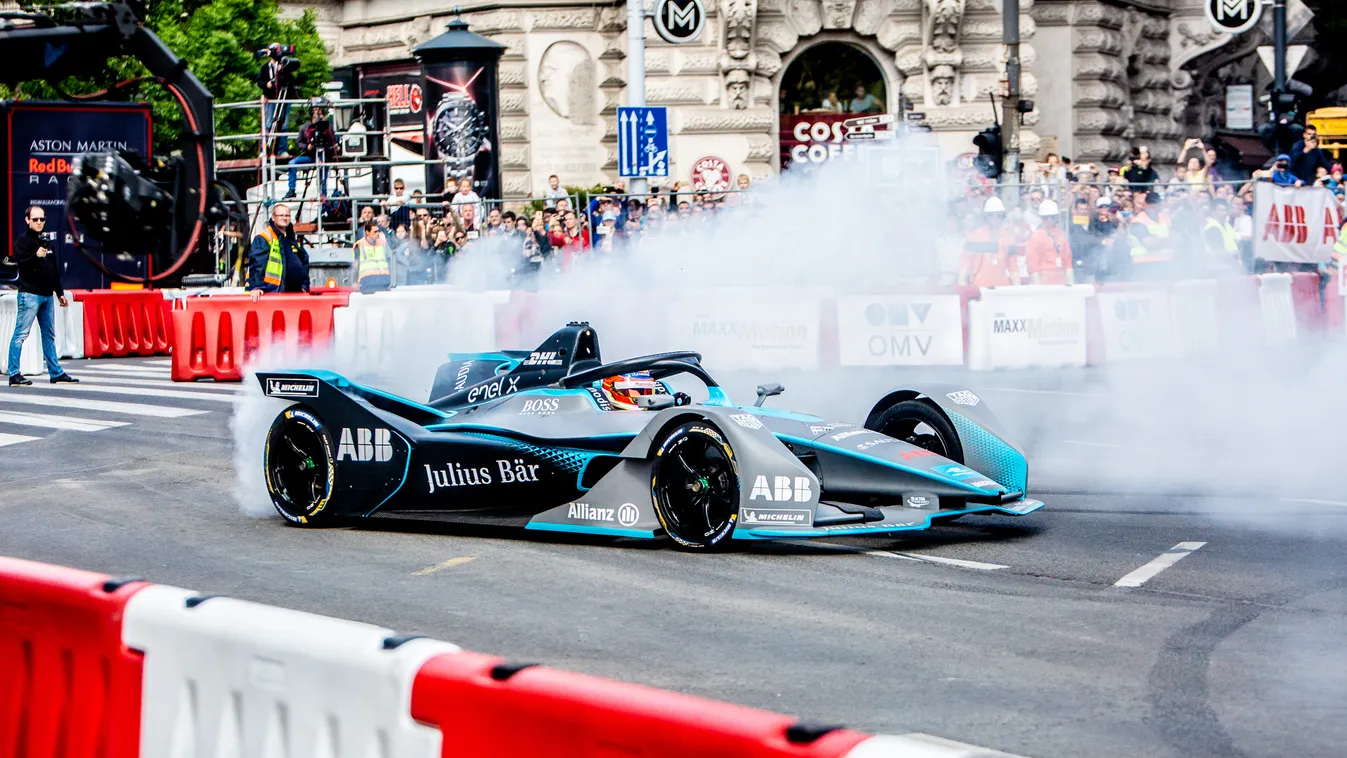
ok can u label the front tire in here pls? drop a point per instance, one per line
(300, 468)
(921, 423)
(695, 486)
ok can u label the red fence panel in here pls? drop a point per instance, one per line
(118, 323)
(216, 336)
(485, 707)
(68, 686)
(1310, 317)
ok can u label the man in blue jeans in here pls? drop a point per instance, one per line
(317, 144)
(39, 290)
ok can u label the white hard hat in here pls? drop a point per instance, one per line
(1048, 208)
(994, 205)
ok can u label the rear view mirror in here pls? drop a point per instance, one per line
(654, 402)
(767, 390)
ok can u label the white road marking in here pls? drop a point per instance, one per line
(14, 439)
(146, 392)
(156, 362)
(919, 557)
(68, 423)
(1313, 501)
(1041, 392)
(459, 561)
(1164, 561)
(167, 384)
(104, 368)
(110, 406)
(919, 745)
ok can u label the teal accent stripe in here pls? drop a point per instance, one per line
(891, 464)
(742, 533)
(578, 529)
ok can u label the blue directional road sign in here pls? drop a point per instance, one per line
(642, 142)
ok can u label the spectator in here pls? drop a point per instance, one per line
(384, 225)
(574, 239)
(1036, 197)
(1153, 241)
(1138, 173)
(606, 232)
(277, 261)
(831, 104)
(466, 198)
(1306, 157)
(988, 260)
(1049, 252)
(1242, 223)
(468, 215)
(395, 205)
(597, 207)
(563, 204)
(1219, 238)
(366, 215)
(371, 260)
(1111, 258)
(1280, 174)
(494, 224)
(317, 143)
(442, 252)
(742, 182)
(40, 291)
(864, 102)
(1333, 180)
(554, 192)
(1179, 181)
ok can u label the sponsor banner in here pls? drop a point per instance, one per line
(1297, 224)
(762, 329)
(900, 331)
(814, 138)
(1034, 325)
(1137, 325)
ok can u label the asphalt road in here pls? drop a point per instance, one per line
(1002, 632)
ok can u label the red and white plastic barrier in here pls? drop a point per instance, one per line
(105, 668)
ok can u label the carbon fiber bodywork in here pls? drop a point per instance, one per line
(503, 439)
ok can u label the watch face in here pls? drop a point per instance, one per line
(459, 126)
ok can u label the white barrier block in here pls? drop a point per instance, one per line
(229, 678)
(1278, 308)
(1136, 324)
(899, 330)
(1034, 325)
(1194, 307)
(745, 328)
(69, 335)
(918, 745)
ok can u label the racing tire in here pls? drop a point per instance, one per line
(300, 467)
(921, 423)
(694, 484)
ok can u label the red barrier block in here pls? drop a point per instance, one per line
(68, 686)
(119, 323)
(485, 710)
(216, 336)
(1309, 307)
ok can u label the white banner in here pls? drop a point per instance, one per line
(1297, 224)
(1137, 325)
(913, 330)
(760, 329)
(1032, 325)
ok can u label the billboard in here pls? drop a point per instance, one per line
(42, 139)
(462, 126)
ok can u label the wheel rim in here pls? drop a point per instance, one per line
(298, 466)
(915, 431)
(697, 486)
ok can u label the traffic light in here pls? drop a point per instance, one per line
(1282, 132)
(991, 152)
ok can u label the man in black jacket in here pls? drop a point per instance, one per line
(317, 144)
(39, 290)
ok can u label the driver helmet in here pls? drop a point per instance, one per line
(622, 390)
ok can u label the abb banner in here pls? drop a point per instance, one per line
(1298, 224)
(874, 330)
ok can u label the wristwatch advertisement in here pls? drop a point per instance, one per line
(461, 127)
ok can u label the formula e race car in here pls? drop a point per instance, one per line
(555, 439)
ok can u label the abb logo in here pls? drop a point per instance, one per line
(1288, 224)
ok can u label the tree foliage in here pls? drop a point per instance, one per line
(219, 39)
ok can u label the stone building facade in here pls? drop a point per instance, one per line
(1104, 74)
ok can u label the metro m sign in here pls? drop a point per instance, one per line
(1232, 16)
(1297, 224)
(679, 21)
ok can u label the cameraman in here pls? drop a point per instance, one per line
(275, 78)
(317, 144)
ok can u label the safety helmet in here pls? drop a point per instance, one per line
(623, 390)
(994, 205)
(1048, 208)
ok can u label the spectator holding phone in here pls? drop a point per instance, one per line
(39, 292)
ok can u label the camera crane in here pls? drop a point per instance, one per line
(121, 201)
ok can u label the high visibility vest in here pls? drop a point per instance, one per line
(371, 259)
(992, 257)
(1340, 248)
(275, 261)
(1153, 229)
(1227, 234)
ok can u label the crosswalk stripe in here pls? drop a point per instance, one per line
(129, 370)
(162, 362)
(14, 439)
(68, 423)
(165, 383)
(144, 392)
(110, 406)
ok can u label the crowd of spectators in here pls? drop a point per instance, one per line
(1126, 222)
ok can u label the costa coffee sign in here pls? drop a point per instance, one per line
(813, 138)
(710, 173)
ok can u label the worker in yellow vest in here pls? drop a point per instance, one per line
(1218, 236)
(278, 261)
(371, 259)
(1152, 239)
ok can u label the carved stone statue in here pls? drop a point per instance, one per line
(737, 84)
(838, 14)
(942, 84)
(740, 16)
(946, 15)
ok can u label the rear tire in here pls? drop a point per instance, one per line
(300, 468)
(695, 487)
(921, 423)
